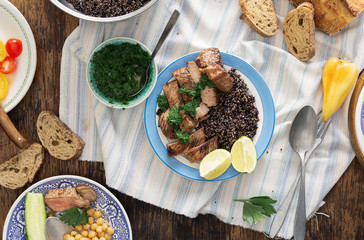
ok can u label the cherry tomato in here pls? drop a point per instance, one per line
(3, 52)
(14, 47)
(4, 86)
(8, 65)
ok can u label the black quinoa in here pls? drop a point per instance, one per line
(107, 8)
(234, 116)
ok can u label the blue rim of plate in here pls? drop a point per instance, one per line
(151, 127)
(14, 227)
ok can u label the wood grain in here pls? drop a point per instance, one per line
(51, 27)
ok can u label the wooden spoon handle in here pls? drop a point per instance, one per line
(11, 130)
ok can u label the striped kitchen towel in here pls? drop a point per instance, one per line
(118, 138)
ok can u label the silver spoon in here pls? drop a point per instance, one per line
(143, 80)
(301, 138)
(56, 229)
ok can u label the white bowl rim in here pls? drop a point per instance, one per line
(80, 15)
(124, 106)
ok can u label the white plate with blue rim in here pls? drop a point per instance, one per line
(106, 202)
(14, 25)
(257, 87)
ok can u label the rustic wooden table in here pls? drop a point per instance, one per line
(51, 27)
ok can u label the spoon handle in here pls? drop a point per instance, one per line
(299, 230)
(172, 21)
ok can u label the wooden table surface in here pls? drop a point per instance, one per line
(51, 26)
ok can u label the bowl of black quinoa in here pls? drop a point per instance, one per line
(114, 70)
(103, 10)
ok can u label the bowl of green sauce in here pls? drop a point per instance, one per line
(114, 70)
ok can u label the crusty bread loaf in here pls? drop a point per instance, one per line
(260, 15)
(296, 3)
(299, 31)
(20, 169)
(57, 138)
(333, 15)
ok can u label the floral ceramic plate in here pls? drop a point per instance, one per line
(106, 202)
(14, 25)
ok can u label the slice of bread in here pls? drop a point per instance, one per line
(57, 138)
(260, 15)
(299, 31)
(296, 3)
(20, 169)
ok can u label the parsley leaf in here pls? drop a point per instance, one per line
(257, 208)
(190, 107)
(174, 118)
(162, 102)
(75, 216)
(184, 137)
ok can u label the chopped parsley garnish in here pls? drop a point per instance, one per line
(162, 102)
(190, 107)
(198, 87)
(174, 118)
(118, 68)
(184, 137)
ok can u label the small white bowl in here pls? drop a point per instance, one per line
(68, 8)
(147, 90)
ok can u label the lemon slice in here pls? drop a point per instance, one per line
(244, 155)
(215, 164)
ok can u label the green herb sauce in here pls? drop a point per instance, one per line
(118, 68)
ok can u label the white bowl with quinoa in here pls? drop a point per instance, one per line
(102, 10)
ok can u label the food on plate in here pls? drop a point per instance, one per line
(94, 228)
(60, 199)
(296, 3)
(299, 31)
(3, 52)
(205, 107)
(4, 86)
(332, 16)
(14, 47)
(8, 65)
(244, 155)
(260, 15)
(118, 69)
(107, 8)
(35, 216)
(215, 164)
(338, 78)
(57, 138)
(20, 169)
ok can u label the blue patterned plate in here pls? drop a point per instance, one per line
(257, 87)
(106, 202)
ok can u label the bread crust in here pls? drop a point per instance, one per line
(78, 141)
(311, 32)
(21, 178)
(355, 6)
(264, 32)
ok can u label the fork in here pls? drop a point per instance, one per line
(282, 211)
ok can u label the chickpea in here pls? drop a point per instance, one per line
(90, 212)
(107, 236)
(95, 238)
(73, 233)
(93, 226)
(91, 234)
(79, 228)
(97, 214)
(99, 221)
(78, 236)
(84, 234)
(90, 220)
(71, 238)
(86, 226)
(66, 236)
(99, 229)
(101, 234)
(104, 227)
(110, 230)
(102, 238)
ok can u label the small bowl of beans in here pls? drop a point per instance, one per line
(103, 10)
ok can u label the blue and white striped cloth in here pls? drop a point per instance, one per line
(118, 138)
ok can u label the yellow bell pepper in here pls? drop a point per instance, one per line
(338, 78)
(4, 86)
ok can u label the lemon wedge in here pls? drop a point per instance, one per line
(244, 155)
(215, 164)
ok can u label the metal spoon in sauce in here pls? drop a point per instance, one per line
(143, 80)
(56, 229)
(301, 138)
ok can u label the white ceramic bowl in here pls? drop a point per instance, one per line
(153, 73)
(68, 8)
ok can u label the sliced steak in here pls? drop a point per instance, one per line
(177, 148)
(209, 96)
(61, 199)
(194, 71)
(209, 56)
(172, 93)
(201, 111)
(164, 125)
(184, 78)
(187, 124)
(196, 154)
(86, 192)
(218, 75)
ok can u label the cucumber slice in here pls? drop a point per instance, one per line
(35, 216)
